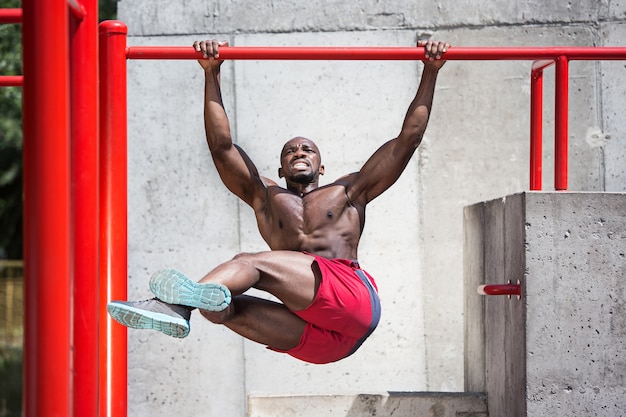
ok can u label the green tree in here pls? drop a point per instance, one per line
(10, 140)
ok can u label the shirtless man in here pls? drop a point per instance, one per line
(329, 306)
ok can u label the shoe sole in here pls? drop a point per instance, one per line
(143, 319)
(174, 287)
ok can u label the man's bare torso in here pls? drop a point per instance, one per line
(322, 222)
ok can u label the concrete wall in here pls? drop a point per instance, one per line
(476, 148)
(559, 349)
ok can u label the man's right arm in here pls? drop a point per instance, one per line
(235, 168)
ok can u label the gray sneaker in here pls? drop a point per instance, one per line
(173, 287)
(173, 320)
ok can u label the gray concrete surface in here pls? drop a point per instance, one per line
(476, 148)
(385, 404)
(559, 350)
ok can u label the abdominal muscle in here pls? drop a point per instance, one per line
(322, 222)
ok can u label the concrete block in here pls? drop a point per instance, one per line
(477, 155)
(558, 350)
(386, 404)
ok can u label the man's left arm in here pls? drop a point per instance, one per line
(384, 167)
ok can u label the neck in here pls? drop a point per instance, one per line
(302, 189)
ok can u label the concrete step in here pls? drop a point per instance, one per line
(388, 404)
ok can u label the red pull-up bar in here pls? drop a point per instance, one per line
(379, 53)
(542, 57)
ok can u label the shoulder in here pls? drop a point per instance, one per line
(346, 180)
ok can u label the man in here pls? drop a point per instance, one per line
(329, 306)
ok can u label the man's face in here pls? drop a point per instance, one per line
(300, 161)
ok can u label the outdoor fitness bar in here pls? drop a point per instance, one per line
(543, 57)
(312, 53)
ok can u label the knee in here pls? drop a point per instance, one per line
(243, 257)
(218, 317)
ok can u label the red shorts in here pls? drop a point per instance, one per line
(345, 311)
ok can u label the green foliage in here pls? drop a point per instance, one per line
(107, 10)
(10, 140)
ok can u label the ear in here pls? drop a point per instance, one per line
(321, 170)
(280, 173)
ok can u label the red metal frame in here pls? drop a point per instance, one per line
(536, 123)
(380, 53)
(11, 80)
(47, 259)
(79, 10)
(560, 123)
(61, 193)
(84, 153)
(501, 289)
(113, 215)
(11, 15)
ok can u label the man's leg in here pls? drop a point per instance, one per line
(262, 321)
(292, 277)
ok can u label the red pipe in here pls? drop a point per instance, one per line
(11, 81)
(500, 289)
(78, 10)
(536, 129)
(10, 15)
(113, 205)
(560, 124)
(536, 123)
(378, 53)
(84, 154)
(47, 263)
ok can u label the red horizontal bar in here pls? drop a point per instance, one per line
(499, 289)
(10, 15)
(11, 80)
(379, 53)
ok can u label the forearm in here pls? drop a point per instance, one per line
(215, 119)
(417, 115)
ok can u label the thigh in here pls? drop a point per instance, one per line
(265, 322)
(292, 277)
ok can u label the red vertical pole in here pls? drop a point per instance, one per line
(536, 129)
(561, 124)
(84, 177)
(47, 388)
(113, 206)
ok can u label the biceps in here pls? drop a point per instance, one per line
(380, 172)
